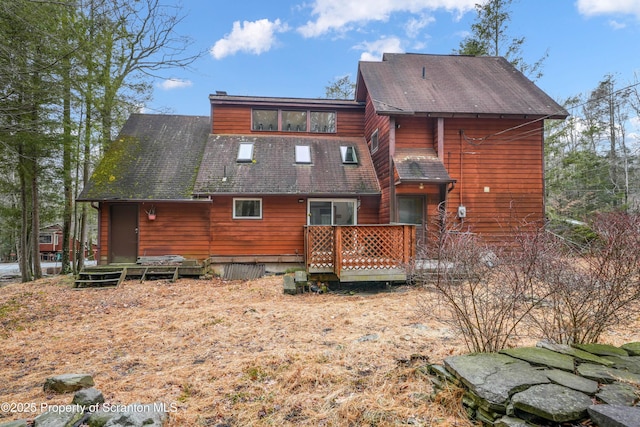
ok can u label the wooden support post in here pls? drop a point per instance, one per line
(337, 248)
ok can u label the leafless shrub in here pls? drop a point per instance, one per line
(486, 291)
(590, 290)
(563, 293)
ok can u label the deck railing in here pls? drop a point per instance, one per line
(360, 252)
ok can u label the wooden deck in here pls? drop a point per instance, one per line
(361, 252)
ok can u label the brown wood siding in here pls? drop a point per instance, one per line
(509, 165)
(236, 120)
(279, 232)
(415, 132)
(381, 161)
(179, 229)
(229, 119)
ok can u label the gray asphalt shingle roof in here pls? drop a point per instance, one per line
(420, 165)
(274, 170)
(165, 157)
(444, 85)
(155, 157)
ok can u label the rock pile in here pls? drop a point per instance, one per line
(88, 408)
(549, 384)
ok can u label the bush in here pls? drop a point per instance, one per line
(565, 292)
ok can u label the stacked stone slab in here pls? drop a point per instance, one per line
(549, 384)
(88, 408)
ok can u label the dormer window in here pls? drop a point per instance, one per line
(303, 154)
(323, 121)
(277, 120)
(348, 154)
(265, 120)
(245, 152)
(294, 121)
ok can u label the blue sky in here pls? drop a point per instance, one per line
(295, 48)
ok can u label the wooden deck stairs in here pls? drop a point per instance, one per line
(155, 272)
(100, 278)
(148, 268)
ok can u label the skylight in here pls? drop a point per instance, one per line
(245, 152)
(303, 154)
(348, 154)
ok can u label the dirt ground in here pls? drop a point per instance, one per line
(222, 353)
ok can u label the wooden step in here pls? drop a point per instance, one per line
(168, 273)
(100, 279)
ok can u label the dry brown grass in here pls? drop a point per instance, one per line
(231, 353)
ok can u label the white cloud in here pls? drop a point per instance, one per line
(373, 50)
(337, 15)
(605, 7)
(174, 84)
(617, 25)
(252, 37)
(415, 25)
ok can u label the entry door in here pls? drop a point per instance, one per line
(123, 236)
(411, 211)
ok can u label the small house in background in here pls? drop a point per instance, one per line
(343, 187)
(50, 243)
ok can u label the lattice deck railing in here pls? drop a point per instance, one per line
(359, 249)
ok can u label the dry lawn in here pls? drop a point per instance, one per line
(232, 353)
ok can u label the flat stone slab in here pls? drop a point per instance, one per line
(602, 349)
(541, 357)
(495, 377)
(66, 383)
(18, 423)
(553, 403)
(58, 419)
(615, 415)
(138, 415)
(633, 348)
(507, 421)
(573, 381)
(618, 394)
(581, 355)
(630, 363)
(605, 374)
(87, 397)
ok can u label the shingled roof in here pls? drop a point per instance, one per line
(274, 169)
(449, 85)
(155, 157)
(420, 165)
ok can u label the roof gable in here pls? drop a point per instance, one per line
(446, 85)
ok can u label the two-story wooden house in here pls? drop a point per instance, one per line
(330, 184)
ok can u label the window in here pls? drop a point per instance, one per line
(46, 238)
(294, 121)
(411, 209)
(245, 152)
(265, 120)
(323, 121)
(273, 120)
(374, 141)
(247, 208)
(348, 154)
(333, 212)
(303, 154)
